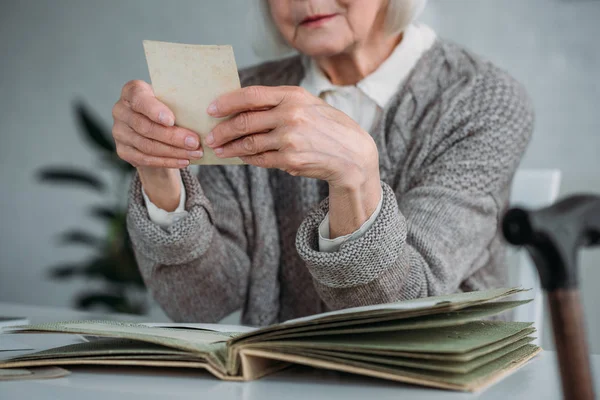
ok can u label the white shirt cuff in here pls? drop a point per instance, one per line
(163, 218)
(330, 245)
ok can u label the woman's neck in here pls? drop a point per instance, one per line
(351, 67)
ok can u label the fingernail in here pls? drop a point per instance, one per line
(191, 142)
(210, 138)
(165, 119)
(212, 108)
(183, 163)
(219, 150)
(196, 154)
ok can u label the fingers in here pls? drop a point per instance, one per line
(251, 98)
(270, 159)
(172, 136)
(124, 135)
(139, 96)
(250, 145)
(241, 125)
(139, 159)
(297, 164)
(145, 134)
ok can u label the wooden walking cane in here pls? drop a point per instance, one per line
(552, 236)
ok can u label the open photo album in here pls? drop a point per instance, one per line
(449, 342)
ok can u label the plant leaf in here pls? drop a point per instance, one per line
(80, 237)
(131, 262)
(114, 161)
(87, 269)
(94, 130)
(114, 302)
(68, 175)
(65, 271)
(115, 270)
(119, 271)
(103, 213)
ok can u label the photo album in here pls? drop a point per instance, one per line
(449, 342)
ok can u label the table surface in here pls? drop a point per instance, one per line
(538, 379)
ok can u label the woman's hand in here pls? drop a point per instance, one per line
(145, 137)
(289, 129)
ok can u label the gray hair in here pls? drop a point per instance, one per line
(267, 41)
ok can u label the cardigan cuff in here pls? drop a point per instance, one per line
(326, 244)
(179, 243)
(359, 261)
(164, 218)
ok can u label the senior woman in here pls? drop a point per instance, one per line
(379, 163)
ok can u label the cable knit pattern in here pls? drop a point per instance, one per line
(449, 143)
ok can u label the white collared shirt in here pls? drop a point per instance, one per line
(363, 102)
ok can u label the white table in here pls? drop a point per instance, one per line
(539, 379)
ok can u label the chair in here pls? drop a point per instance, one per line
(531, 188)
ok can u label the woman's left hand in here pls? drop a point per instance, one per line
(286, 127)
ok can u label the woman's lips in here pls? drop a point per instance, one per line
(317, 20)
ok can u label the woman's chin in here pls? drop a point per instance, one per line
(321, 48)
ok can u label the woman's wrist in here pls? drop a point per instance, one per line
(162, 186)
(350, 206)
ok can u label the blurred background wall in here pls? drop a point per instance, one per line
(54, 51)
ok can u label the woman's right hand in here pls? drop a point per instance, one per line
(146, 137)
(145, 134)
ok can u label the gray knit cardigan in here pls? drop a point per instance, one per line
(449, 143)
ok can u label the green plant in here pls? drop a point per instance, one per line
(113, 262)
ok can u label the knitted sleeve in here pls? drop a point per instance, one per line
(197, 268)
(430, 238)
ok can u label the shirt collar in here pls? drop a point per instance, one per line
(382, 83)
(315, 80)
